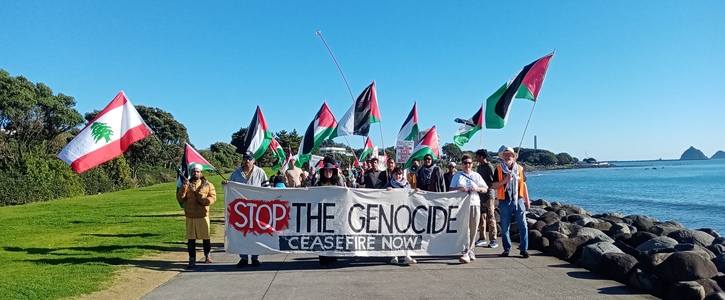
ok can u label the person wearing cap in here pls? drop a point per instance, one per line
(249, 174)
(513, 199)
(447, 176)
(413, 176)
(370, 179)
(430, 177)
(197, 194)
(328, 177)
(470, 182)
(488, 202)
(292, 175)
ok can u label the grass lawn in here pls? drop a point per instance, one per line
(72, 246)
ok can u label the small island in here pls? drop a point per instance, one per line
(718, 155)
(693, 153)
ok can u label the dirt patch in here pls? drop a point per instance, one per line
(133, 282)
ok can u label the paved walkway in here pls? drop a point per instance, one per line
(295, 276)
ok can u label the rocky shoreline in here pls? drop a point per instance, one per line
(664, 259)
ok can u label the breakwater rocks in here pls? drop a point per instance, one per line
(664, 259)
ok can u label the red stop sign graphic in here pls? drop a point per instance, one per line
(259, 216)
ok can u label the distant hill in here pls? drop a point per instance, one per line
(693, 154)
(720, 154)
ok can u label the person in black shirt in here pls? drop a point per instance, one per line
(488, 202)
(430, 177)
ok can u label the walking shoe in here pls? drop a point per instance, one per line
(394, 260)
(191, 265)
(409, 260)
(255, 262)
(471, 255)
(481, 243)
(505, 253)
(492, 244)
(524, 253)
(207, 260)
(243, 263)
(464, 259)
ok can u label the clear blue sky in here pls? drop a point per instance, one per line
(630, 79)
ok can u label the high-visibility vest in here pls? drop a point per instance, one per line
(523, 190)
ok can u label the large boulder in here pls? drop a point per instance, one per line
(541, 202)
(648, 263)
(689, 236)
(539, 225)
(647, 283)
(600, 225)
(573, 210)
(663, 229)
(626, 248)
(710, 231)
(554, 235)
(563, 227)
(716, 249)
(640, 237)
(685, 290)
(618, 228)
(535, 212)
(536, 240)
(642, 223)
(720, 279)
(657, 243)
(617, 266)
(568, 249)
(591, 232)
(550, 218)
(709, 285)
(685, 266)
(592, 254)
(719, 262)
(719, 240)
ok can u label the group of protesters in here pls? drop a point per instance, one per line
(490, 186)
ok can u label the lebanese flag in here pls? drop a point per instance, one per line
(278, 153)
(361, 114)
(409, 130)
(367, 150)
(319, 129)
(258, 135)
(427, 145)
(108, 135)
(469, 128)
(525, 85)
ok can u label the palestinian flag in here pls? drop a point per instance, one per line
(526, 85)
(258, 136)
(191, 156)
(367, 150)
(321, 127)
(108, 135)
(361, 114)
(427, 145)
(278, 153)
(409, 130)
(469, 128)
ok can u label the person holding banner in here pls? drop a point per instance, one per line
(328, 177)
(470, 182)
(372, 175)
(513, 199)
(430, 177)
(197, 195)
(249, 174)
(399, 182)
(385, 176)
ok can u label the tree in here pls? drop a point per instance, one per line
(238, 139)
(452, 152)
(289, 140)
(564, 158)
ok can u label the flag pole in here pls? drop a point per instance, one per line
(220, 174)
(336, 64)
(480, 141)
(527, 126)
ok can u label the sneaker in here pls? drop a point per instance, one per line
(394, 260)
(481, 243)
(409, 261)
(243, 263)
(207, 260)
(464, 259)
(191, 265)
(256, 263)
(505, 253)
(471, 255)
(492, 244)
(524, 253)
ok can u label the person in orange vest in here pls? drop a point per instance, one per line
(513, 196)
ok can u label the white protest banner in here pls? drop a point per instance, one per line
(403, 151)
(337, 221)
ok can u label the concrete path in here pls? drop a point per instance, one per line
(293, 276)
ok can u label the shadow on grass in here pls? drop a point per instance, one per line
(121, 235)
(172, 215)
(158, 265)
(92, 250)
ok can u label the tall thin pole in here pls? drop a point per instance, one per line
(527, 126)
(336, 64)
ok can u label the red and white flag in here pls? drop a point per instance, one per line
(106, 136)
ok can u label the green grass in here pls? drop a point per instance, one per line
(72, 246)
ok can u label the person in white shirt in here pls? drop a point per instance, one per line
(470, 182)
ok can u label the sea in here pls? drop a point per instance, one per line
(689, 192)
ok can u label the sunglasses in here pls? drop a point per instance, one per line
(467, 162)
(248, 158)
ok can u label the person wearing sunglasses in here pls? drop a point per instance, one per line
(249, 174)
(470, 182)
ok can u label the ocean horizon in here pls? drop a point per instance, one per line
(686, 191)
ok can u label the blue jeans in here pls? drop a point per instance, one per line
(517, 209)
(246, 257)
